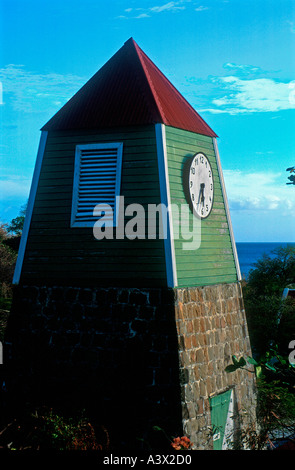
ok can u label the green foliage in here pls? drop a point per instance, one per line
(69, 434)
(271, 325)
(46, 429)
(286, 325)
(270, 320)
(17, 224)
(10, 235)
(291, 177)
(273, 273)
(237, 364)
(276, 398)
(276, 408)
(5, 303)
(4, 314)
(270, 365)
(7, 264)
(249, 437)
(262, 318)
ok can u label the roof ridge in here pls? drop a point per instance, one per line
(149, 85)
(181, 97)
(128, 90)
(140, 53)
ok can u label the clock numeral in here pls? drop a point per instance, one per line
(193, 171)
(193, 196)
(209, 174)
(211, 187)
(201, 159)
(191, 184)
(207, 208)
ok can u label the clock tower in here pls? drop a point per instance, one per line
(139, 330)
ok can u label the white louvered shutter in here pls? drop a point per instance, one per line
(97, 180)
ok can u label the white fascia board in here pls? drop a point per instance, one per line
(165, 199)
(30, 206)
(234, 248)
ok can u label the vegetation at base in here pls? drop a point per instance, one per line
(10, 235)
(47, 429)
(7, 263)
(271, 325)
(276, 398)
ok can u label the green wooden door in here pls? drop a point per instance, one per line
(220, 407)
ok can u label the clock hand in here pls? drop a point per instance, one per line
(202, 187)
(201, 196)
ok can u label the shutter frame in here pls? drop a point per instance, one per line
(97, 180)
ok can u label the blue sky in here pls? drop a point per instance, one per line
(233, 60)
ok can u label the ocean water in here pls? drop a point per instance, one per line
(249, 253)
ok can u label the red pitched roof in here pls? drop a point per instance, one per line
(128, 90)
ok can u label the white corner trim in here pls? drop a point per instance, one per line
(229, 425)
(227, 210)
(29, 211)
(165, 199)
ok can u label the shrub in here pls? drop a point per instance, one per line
(270, 320)
(7, 264)
(45, 429)
(69, 434)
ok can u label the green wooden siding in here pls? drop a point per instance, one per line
(57, 253)
(213, 262)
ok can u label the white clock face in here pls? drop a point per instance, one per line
(201, 185)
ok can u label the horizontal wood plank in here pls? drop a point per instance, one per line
(213, 261)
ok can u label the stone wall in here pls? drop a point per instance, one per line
(135, 358)
(211, 327)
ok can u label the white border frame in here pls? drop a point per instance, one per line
(29, 211)
(119, 147)
(234, 248)
(165, 199)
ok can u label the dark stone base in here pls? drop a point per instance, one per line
(132, 358)
(112, 352)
